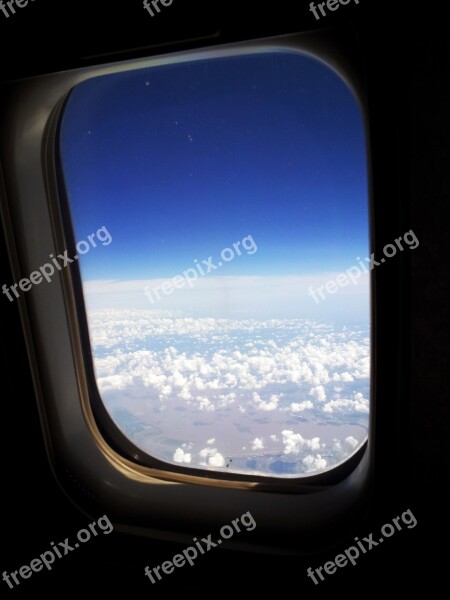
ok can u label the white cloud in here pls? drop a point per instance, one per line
(180, 456)
(319, 393)
(362, 404)
(346, 377)
(351, 441)
(336, 404)
(211, 457)
(204, 403)
(295, 442)
(314, 463)
(357, 404)
(244, 375)
(185, 394)
(257, 444)
(271, 404)
(267, 366)
(216, 460)
(226, 399)
(337, 445)
(301, 406)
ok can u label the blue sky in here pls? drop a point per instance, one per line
(181, 161)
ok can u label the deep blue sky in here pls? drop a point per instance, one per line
(181, 161)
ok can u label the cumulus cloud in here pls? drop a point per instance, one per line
(301, 406)
(362, 404)
(337, 445)
(226, 399)
(319, 393)
(295, 442)
(351, 441)
(356, 404)
(211, 457)
(180, 456)
(209, 377)
(262, 366)
(266, 405)
(205, 452)
(204, 403)
(314, 463)
(216, 460)
(185, 394)
(257, 444)
(345, 377)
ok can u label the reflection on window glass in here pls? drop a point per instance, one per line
(228, 327)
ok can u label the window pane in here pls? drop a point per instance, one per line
(229, 195)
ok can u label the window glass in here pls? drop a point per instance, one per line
(228, 294)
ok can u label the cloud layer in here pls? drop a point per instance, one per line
(287, 396)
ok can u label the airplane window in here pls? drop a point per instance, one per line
(228, 298)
